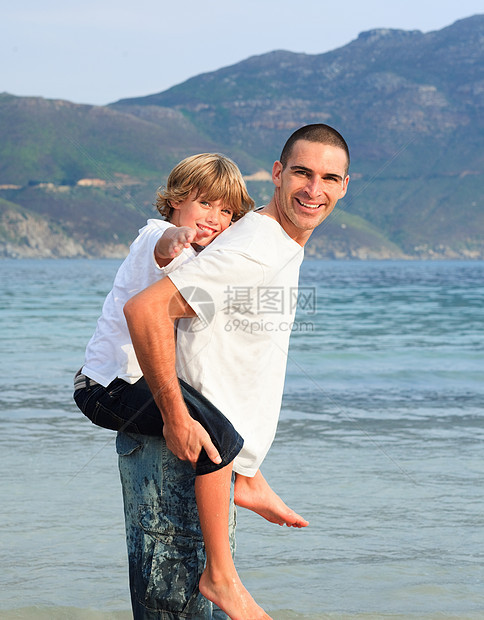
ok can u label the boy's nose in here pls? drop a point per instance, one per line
(213, 216)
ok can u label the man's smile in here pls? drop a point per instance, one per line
(307, 205)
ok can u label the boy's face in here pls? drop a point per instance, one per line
(208, 218)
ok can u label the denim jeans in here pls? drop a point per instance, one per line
(131, 408)
(165, 545)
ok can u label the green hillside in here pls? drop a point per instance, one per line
(410, 105)
(61, 142)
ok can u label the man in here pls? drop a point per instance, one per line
(230, 351)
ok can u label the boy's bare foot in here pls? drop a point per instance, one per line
(231, 596)
(256, 495)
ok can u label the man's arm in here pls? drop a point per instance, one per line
(150, 316)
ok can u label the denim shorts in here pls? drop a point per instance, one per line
(131, 408)
(166, 553)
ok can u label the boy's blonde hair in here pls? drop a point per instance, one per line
(213, 176)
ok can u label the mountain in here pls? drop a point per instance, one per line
(409, 104)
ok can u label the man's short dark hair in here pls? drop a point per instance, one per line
(315, 133)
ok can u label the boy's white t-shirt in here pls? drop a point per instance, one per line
(110, 353)
(243, 288)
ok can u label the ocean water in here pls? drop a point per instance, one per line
(380, 446)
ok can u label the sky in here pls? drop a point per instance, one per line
(100, 51)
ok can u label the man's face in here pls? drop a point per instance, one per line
(309, 186)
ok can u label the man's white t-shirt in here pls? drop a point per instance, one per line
(110, 353)
(243, 288)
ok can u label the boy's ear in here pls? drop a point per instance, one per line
(174, 205)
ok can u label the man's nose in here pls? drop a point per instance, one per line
(314, 187)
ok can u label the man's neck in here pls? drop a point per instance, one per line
(296, 234)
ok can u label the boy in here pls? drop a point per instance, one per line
(204, 194)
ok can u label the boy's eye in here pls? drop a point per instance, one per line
(228, 211)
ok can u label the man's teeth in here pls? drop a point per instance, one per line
(308, 206)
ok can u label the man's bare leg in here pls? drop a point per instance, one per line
(220, 582)
(256, 495)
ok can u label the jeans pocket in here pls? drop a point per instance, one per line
(172, 564)
(116, 387)
(126, 445)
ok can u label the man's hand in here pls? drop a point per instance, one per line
(187, 440)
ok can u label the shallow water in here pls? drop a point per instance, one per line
(379, 446)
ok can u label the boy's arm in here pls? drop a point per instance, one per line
(150, 316)
(172, 242)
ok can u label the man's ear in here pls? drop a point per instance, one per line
(276, 173)
(345, 186)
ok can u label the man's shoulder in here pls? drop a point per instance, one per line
(246, 232)
(257, 234)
